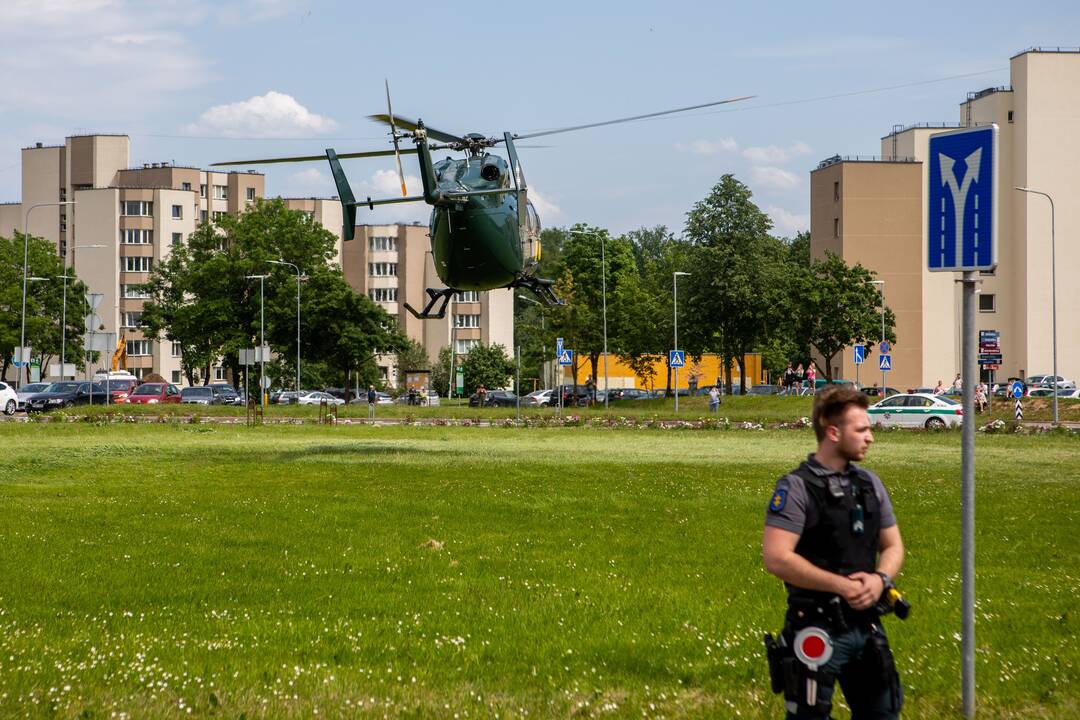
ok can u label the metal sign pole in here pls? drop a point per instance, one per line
(967, 499)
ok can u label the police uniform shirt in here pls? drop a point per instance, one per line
(787, 505)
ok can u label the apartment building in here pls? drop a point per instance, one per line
(125, 220)
(873, 211)
(392, 264)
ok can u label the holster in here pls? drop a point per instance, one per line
(788, 676)
(877, 671)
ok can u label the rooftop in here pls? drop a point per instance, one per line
(975, 95)
(836, 159)
(1039, 49)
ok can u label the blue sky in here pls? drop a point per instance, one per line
(206, 81)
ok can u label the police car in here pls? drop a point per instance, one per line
(923, 410)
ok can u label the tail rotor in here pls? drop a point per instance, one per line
(394, 135)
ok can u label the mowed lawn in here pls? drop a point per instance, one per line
(219, 571)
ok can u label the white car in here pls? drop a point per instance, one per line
(1049, 381)
(9, 400)
(316, 397)
(921, 410)
(1073, 393)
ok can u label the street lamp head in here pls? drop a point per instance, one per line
(84, 247)
(1022, 189)
(256, 277)
(679, 272)
(32, 278)
(875, 282)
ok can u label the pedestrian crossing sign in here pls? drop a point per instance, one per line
(566, 357)
(885, 362)
(677, 358)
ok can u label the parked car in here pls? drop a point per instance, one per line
(764, 390)
(1041, 392)
(1050, 381)
(345, 394)
(200, 395)
(1073, 393)
(538, 398)
(154, 393)
(228, 394)
(317, 397)
(495, 398)
(66, 394)
(384, 398)
(119, 383)
(27, 390)
(917, 410)
(875, 391)
(9, 399)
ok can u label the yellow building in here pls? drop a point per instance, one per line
(703, 372)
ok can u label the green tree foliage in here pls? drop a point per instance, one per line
(44, 304)
(832, 307)
(202, 298)
(440, 374)
(412, 356)
(487, 365)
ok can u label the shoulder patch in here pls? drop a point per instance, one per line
(779, 498)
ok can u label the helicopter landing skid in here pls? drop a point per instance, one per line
(434, 296)
(542, 287)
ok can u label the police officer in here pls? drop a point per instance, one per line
(831, 536)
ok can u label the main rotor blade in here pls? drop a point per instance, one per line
(309, 158)
(412, 125)
(393, 134)
(629, 119)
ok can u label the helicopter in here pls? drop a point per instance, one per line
(485, 234)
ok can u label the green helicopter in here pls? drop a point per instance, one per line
(485, 234)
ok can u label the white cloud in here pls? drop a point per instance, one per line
(548, 211)
(787, 223)
(709, 147)
(773, 177)
(774, 154)
(273, 115)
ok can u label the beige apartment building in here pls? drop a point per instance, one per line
(393, 265)
(873, 211)
(126, 220)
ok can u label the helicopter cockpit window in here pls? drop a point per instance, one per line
(532, 219)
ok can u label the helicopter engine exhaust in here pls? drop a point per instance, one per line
(490, 172)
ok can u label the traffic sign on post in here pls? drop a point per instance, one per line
(884, 362)
(677, 358)
(961, 200)
(884, 347)
(860, 354)
(1017, 389)
(558, 346)
(566, 357)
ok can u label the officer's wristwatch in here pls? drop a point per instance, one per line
(885, 579)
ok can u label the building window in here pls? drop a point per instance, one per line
(177, 212)
(467, 296)
(202, 191)
(462, 347)
(140, 372)
(382, 269)
(218, 214)
(467, 321)
(177, 238)
(138, 208)
(134, 292)
(131, 319)
(175, 377)
(380, 242)
(383, 294)
(836, 227)
(137, 348)
(1010, 116)
(185, 186)
(251, 194)
(138, 264)
(176, 351)
(221, 192)
(219, 373)
(136, 237)
(202, 216)
(987, 302)
(836, 190)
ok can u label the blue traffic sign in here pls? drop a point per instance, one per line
(558, 347)
(677, 358)
(884, 347)
(566, 357)
(1017, 389)
(860, 354)
(961, 196)
(885, 362)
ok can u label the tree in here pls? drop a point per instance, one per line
(44, 303)
(737, 283)
(834, 307)
(412, 356)
(487, 365)
(440, 374)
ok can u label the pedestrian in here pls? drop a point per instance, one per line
(590, 390)
(958, 384)
(372, 398)
(811, 377)
(939, 389)
(831, 536)
(714, 400)
(799, 374)
(481, 396)
(980, 398)
(789, 378)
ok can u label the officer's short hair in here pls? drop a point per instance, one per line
(831, 403)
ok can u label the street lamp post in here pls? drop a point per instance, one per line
(1053, 294)
(262, 336)
(881, 287)
(543, 333)
(26, 256)
(297, 270)
(603, 291)
(63, 317)
(675, 308)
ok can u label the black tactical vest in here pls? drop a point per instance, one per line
(831, 538)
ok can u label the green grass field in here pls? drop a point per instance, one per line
(284, 571)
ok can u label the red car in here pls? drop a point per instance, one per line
(153, 393)
(120, 388)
